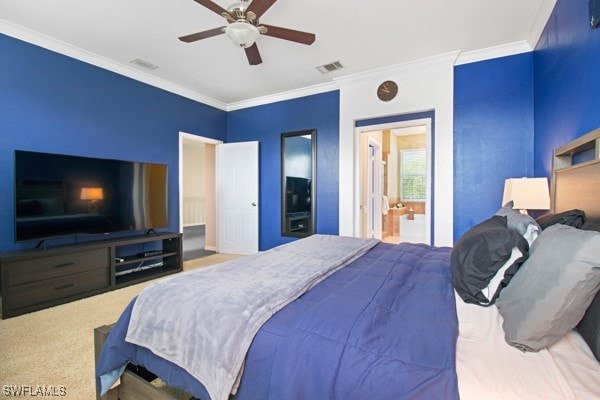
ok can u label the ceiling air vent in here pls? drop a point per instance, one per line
(144, 64)
(324, 69)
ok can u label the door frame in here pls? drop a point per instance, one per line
(194, 138)
(429, 202)
(374, 191)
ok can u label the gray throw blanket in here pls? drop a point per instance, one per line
(205, 320)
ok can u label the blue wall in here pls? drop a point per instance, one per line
(493, 134)
(53, 103)
(567, 81)
(266, 124)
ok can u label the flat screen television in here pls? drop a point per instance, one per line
(297, 191)
(60, 195)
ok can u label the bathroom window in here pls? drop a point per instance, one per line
(413, 174)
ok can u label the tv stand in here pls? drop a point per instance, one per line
(298, 223)
(35, 279)
(150, 231)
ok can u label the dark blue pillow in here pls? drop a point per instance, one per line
(478, 256)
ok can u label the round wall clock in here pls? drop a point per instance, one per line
(387, 90)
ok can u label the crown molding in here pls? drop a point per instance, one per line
(454, 58)
(443, 59)
(540, 22)
(290, 94)
(29, 36)
(508, 49)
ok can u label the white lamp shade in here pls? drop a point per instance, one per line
(242, 34)
(527, 193)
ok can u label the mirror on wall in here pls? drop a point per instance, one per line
(298, 161)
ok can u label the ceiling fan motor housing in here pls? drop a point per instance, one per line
(238, 12)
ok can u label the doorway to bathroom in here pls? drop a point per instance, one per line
(396, 181)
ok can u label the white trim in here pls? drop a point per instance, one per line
(291, 94)
(195, 138)
(392, 125)
(540, 22)
(398, 68)
(77, 53)
(374, 229)
(503, 50)
(508, 49)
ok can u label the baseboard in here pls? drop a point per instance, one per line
(194, 224)
(210, 248)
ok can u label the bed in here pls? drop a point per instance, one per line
(385, 322)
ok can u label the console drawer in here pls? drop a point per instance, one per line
(56, 288)
(44, 267)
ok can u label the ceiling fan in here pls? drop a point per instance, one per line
(243, 27)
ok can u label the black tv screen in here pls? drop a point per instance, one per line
(297, 191)
(62, 195)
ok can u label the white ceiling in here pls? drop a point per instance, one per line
(363, 36)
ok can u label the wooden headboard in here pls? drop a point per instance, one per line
(577, 186)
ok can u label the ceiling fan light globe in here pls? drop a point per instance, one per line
(242, 34)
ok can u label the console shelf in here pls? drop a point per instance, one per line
(35, 279)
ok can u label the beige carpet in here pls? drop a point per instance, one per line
(55, 347)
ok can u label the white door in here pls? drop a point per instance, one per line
(237, 198)
(374, 219)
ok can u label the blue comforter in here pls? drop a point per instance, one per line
(383, 327)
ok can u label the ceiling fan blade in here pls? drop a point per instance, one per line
(202, 35)
(259, 7)
(214, 7)
(289, 34)
(253, 55)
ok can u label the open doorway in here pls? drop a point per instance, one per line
(197, 195)
(398, 178)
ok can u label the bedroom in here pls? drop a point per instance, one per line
(508, 114)
(68, 121)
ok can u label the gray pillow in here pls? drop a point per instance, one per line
(524, 224)
(550, 293)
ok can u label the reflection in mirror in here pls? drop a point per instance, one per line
(298, 155)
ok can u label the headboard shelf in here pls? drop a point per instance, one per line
(563, 156)
(577, 166)
(577, 186)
